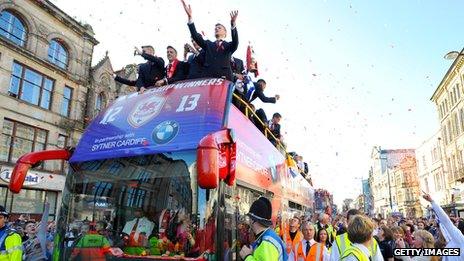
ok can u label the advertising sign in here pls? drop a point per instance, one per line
(32, 178)
(169, 118)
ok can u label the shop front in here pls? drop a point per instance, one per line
(39, 187)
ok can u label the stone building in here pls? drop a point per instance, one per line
(103, 89)
(448, 98)
(45, 64)
(382, 178)
(406, 187)
(431, 170)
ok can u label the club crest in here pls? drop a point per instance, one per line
(146, 110)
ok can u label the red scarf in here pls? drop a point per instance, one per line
(172, 68)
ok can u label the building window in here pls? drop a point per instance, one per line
(456, 125)
(458, 92)
(66, 103)
(62, 143)
(100, 103)
(444, 135)
(31, 86)
(450, 132)
(58, 54)
(461, 118)
(12, 28)
(18, 139)
(32, 202)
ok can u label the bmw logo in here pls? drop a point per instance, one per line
(165, 132)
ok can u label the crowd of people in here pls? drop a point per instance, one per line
(351, 236)
(354, 236)
(25, 238)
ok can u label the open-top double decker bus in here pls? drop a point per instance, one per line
(168, 174)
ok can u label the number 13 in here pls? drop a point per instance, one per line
(190, 100)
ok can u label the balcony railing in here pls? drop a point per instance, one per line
(249, 113)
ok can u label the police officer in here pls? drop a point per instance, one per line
(268, 246)
(10, 241)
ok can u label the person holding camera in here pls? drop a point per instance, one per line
(148, 73)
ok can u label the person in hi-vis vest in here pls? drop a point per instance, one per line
(268, 246)
(302, 248)
(292, 237)
(10, 241)
(360, 230)
(342, 242)
(138, 231)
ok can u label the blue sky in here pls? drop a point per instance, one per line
(351, 74)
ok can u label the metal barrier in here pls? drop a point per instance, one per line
(267, 132)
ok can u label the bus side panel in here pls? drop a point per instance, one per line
(258, 161)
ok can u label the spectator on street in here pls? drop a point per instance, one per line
(452, 235)
(422, 239)
(10, 245)
(386, 242)
(360, 230)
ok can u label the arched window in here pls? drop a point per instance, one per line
(58, 54)
(12, 28)
(100, 103)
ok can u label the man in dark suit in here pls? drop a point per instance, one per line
(237, 68)
(175, 70)
(240, 87)
(274, 125)
(218, 53)
(196, 60)
(258, 92)
(148, 72)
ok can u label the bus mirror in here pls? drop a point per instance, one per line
(216, 159)
(31, 159)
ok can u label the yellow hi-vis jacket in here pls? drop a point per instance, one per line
(343, 243)
(352, 250)
(11, 248)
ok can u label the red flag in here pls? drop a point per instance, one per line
(248, 57)
(252, 64)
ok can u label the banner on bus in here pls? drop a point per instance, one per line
(169, 118)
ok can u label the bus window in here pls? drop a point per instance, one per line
(237, 229)
(145, 205)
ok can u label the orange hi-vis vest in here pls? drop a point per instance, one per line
(291, 244)
(316, 252)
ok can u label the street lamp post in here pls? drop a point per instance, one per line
(453, 55)
(389, 185)
(389, 190)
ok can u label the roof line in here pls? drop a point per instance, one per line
(447, 73)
